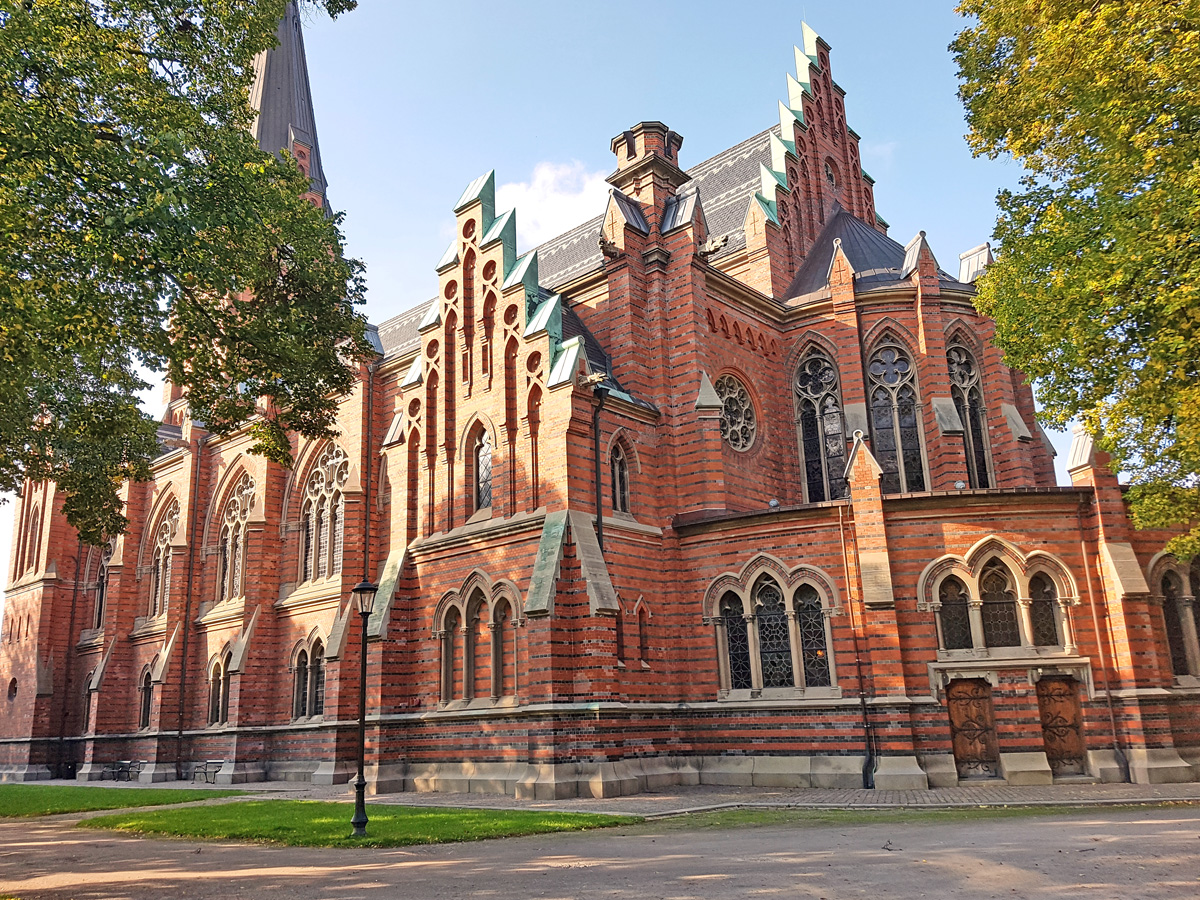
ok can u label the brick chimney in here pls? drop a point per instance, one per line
(648, 167)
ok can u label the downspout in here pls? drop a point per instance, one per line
(187, 602)
(600, 393)
(1122, 760)
(868, 773)
(62, 723)
(367, 482)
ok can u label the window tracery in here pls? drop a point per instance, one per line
(146, 698)
(160, 575)
(822, 432)
(106, 555)
(739, 426)
(954, 615)
(814, 649)
(323, 515)
(483, 470)
(999, 610)
(233, 538)
(774, 636)
(967, 392)
(738, 642)
(895, 423)
(1176, 640)
(1043, 598)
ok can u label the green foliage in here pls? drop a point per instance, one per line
(25, 800)
(1096, 289)
(308, 823)
(140, 224)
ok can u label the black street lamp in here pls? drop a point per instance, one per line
(363, 594)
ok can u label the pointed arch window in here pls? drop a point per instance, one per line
(323, 525)
(1176, 640)
(146, 699)
(967, 392)
(954, 615)
(483, 469)
(822, 432)
(774, 635)
(218, 690)
(160, 574)
(106, 555)
(895, 419)
(999, 610)
(814, 641)
(737, 642)
(618, 465)
(33, 539)
(1043, 598)
(452, 677)
(300, 686)
(233, 538)
(316, 689)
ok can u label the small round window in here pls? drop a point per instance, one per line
(738, 423)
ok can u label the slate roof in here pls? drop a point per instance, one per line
(398, 336)
(726, 183)
(282, 96)
(877, 259)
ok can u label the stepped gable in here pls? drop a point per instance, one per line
(726, 183)
(283, 99)
(878, 260)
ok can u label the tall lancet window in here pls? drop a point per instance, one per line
(106, 555)
(895, 419)
(967, 392)
(323, 523)
(483, 470)
(822, 433)
(619, 466)
(160, 573)
(774, 635)
(233, 538)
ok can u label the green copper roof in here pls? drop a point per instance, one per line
(482, 189)
(525, 271)
(548, 318)
(449, 258)
(780, 151)
(796, 92)
(768, 207)
(810, 43)
(771, 180)
(503, 229)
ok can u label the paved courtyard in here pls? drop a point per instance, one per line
(1105, 851)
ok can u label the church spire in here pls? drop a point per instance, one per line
(283, 100)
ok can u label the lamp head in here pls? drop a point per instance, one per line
(363, 595)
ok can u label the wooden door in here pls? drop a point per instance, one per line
(973, 728)
(1062, 724)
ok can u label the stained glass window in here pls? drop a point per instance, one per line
(738, 642)
(774, 635)
(106, 555)
(1042, 597)
(147, 691)
(323, 516)
(954, 614)
(316, 702)
(814, 651)
(738, 423)
(966, 390)
(483, 470)
(895, 419)
(1000, 628)
(822, 432)
(300, 707)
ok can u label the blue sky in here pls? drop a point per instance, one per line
(413, 102)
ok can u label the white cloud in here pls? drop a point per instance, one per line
(558, 197)
(877, 155)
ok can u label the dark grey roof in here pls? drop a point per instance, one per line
(726, 183)
(598, 360)
(168, 438)
(878, 261)
(282, 97)
(398, 335)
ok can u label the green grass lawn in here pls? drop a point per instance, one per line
(310, 823)
(21, 800)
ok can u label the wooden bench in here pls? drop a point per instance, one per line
(207, 770)
(122, 769)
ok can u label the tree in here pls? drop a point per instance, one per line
(140, 223)
(1095, 288)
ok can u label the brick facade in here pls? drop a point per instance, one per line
(919, 622)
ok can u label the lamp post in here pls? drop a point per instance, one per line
(364, 598)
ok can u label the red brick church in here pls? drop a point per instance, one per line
(723, 486)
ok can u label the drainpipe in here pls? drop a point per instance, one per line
(62, 723)
(370, 414)
(193, 539)
(1122, 760)
(868, 772)
(601, 394)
